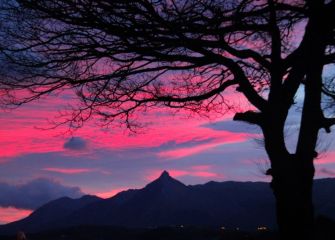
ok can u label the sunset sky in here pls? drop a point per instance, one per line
(38, 165)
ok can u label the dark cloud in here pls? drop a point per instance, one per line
(35, 193)
(327, 172)
(75, 143)
(233, 126)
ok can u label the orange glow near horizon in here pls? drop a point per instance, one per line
(111, 193)
(10, 214)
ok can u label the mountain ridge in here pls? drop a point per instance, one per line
(168, 202)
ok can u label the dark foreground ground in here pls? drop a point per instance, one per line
(325, 231)
(166, 233)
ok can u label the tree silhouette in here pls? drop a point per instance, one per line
(125, 57)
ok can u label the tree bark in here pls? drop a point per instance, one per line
(293, 174)
(294, 204)
(292, 181)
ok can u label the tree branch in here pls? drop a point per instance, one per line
(249, 117)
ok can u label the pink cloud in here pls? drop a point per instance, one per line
(226, 138)
(184, 152)
(19, 128)
(10, 214)
(26, 140)
(68, 170)
(111, 193)
(325, 172)
(325, 158)
(19, 134)
(178, 173)
(205, 174)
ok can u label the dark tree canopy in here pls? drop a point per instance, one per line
(121, 57)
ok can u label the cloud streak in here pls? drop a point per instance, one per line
(233, 126)
(68, 170)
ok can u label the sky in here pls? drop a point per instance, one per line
(39, 164)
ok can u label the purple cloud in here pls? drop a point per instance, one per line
(35, 193)
(75, 143)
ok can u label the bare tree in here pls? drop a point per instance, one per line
(125, 57)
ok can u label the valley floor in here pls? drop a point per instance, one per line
(167, 233)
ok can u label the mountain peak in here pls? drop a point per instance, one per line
(165, 174)
(163, 188)
(165, 181)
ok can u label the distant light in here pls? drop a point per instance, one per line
(223, 228)
(237, 229)
(262, 228)
(181, 226)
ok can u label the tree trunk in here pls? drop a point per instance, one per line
(292, 182)
(294, 204)
(293, 174)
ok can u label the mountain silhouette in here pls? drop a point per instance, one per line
(48, 214)
(168, 202)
